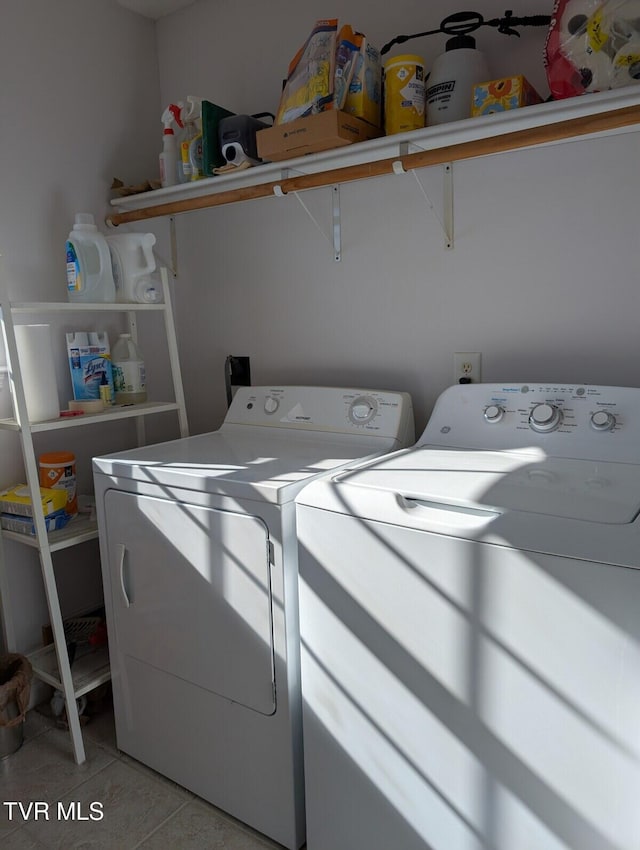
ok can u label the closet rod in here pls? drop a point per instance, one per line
(545, 134)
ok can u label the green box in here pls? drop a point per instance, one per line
(212, 157)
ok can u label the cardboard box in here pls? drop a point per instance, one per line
(364, 99)
(503, 94)
(327, 130)
(17, 500)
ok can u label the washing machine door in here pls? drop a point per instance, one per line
(191, 595)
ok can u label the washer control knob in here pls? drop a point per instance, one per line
(493, 413)
(602, 420)
(271, 404)
(545, 417)
(362, 410)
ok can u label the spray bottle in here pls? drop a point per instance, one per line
(169, 154)
(191, 146)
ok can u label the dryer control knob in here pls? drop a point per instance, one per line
(493, 413)
(545, 417)
(362, 410)
(602, 420)
(271, 404)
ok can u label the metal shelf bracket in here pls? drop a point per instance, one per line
(446, 221)
(335, 240)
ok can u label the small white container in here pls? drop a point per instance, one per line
(132, 258)
(453, 76)
(89, 273)
(129, 377)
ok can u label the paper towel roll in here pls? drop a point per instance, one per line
(587, 46)
(626, 65)
(575, 16)
(35, 353)
(596, 68)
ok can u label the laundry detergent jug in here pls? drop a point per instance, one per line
(89, 273)
(133, 263)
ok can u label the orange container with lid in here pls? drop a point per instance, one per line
(58, 472)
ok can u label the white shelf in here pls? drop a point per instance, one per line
(78, 530)
(88, 670)
(542, 124)
(82, 307)
(114, 413)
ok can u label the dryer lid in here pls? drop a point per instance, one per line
(525, 481)
(242, 461)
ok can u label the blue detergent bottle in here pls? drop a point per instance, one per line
(89, 271)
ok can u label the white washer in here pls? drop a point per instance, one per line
(470, 630)
(198, 546)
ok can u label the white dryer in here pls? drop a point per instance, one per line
(199, 555)
(470, 630)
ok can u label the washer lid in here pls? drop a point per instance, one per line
(243, 461)
(524, 481)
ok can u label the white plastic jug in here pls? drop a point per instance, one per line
(89, 274)
(129, 376)
(132, 259)
(452, 78)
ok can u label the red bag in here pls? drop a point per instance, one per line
(592, 45)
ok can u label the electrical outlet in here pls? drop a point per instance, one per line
(467, 367)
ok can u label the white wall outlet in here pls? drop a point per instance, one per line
(467, 367)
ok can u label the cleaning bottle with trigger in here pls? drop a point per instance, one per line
(191, 146)
(169, 154)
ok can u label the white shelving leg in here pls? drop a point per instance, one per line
(8, 338)
(33, 482)
(64, 668)
(141, 436)
(174, 359)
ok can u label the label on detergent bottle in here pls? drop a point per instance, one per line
(129, 376)
(74, 276)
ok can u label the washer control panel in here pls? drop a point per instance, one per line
(586, 421)
(378, 413)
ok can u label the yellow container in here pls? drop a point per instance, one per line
(404, 94)
(58, 472)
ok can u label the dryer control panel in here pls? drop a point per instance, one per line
(579, 421)
(339, 410)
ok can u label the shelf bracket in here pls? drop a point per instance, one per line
(446, 222)
(173, 240)
(447, 202)
(335, 239)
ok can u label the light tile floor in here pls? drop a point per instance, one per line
(142, 809)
